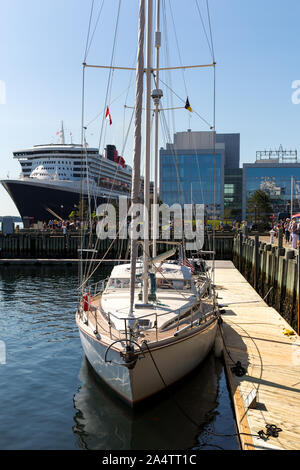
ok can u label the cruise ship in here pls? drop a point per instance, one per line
(55, 177)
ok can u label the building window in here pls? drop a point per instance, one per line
(228, 188)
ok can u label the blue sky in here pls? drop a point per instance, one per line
(257, 45)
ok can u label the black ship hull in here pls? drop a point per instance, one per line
(41, 202)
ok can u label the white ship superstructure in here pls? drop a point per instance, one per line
(53, 176)
(67, 162)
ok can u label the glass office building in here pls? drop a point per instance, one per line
(280, 181)
(233, 190)
(192, 171)
(189, 178)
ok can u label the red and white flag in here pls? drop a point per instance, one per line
(108, 116)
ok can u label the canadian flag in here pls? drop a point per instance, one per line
(108, 116)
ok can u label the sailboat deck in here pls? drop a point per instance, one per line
(169, 303)
(166, 326)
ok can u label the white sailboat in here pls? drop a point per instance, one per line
(155, 321)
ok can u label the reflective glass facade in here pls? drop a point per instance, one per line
(276, 182)
(233, 190)
(187, 177)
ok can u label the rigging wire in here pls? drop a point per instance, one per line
(108, 92)
(174, 156)
(110, 75)
(80, 264)
(127, 134)
(83, 143)
(89, 29)
(109, 199)
(183, 101)
(131, 77)
(178, 50)
(210, 46)
(165, 50)
(89, 275)
(210, 31)
(96, 24)
(111, 102)
(214, 173)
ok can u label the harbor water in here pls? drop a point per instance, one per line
(50, 399)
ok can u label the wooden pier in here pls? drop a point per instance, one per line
(56, 245)
(258, 337)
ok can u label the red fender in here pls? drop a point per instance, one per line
(86, 302)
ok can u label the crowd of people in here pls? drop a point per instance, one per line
(291, 231)
(64, 225)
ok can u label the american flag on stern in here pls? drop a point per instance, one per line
(184, 261)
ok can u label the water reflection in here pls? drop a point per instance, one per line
(104, 422)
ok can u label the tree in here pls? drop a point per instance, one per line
(81, 212)
(259, 207)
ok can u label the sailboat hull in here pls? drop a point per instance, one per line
(166, 364)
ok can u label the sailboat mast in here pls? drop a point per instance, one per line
(147, 151)
(136, 170)
(156, 98)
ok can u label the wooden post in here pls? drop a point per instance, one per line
(240, 251)
(276, 270)
(256, 260)
(280, 239)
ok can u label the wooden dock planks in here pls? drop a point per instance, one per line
(253, 334)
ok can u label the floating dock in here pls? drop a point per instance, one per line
(258, 337)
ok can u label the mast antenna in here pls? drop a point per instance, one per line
(62, 133)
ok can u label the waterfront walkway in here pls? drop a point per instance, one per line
(266, 239)
(254, 335)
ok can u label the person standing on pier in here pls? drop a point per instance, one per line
(287, 230)
(295, 235)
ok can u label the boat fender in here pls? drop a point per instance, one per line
(86, 302)
(288, 332)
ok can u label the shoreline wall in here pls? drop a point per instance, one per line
(272, 271)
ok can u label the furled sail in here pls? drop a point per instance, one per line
(135, 189)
